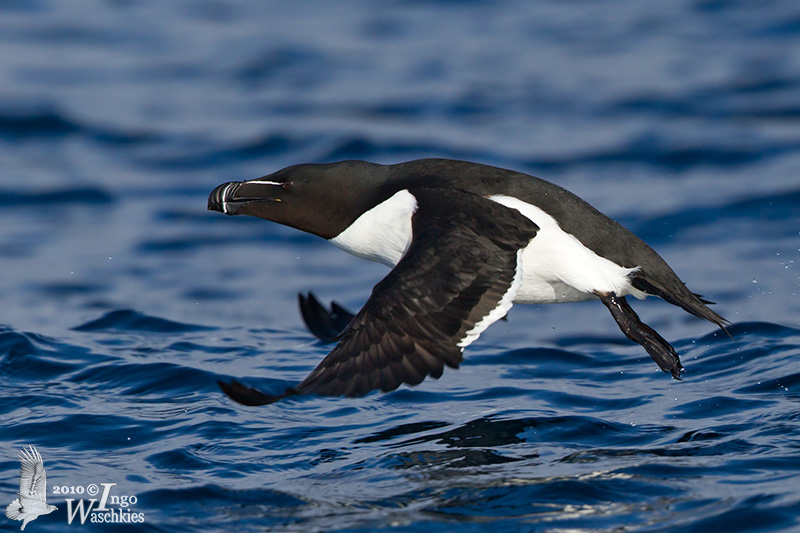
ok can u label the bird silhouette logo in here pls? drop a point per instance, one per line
(31, 501)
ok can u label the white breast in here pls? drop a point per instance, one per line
(558, 268)
(383, 233)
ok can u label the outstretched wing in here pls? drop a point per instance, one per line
(458, 276)
(32, 476)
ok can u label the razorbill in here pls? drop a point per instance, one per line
(465, 242)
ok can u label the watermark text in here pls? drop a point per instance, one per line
(110, 508)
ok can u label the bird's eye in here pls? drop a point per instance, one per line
(287, 185)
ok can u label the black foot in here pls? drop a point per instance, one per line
(249, 396)
(633, 328)
(325, 324)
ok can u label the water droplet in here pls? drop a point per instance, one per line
(755, 280)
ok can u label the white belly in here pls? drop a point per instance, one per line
(557, 268)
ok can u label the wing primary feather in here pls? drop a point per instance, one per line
(250, 396)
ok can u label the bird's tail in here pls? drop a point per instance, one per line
(14, 510)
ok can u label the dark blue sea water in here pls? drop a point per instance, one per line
(123, 300)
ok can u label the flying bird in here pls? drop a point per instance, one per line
(465, 242)
(32, 498)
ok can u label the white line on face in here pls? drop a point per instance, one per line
(260, 182)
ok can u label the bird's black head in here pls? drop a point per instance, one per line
(322, 199)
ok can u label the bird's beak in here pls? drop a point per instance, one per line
(230, 197)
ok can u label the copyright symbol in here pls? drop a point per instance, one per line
(92, 489)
